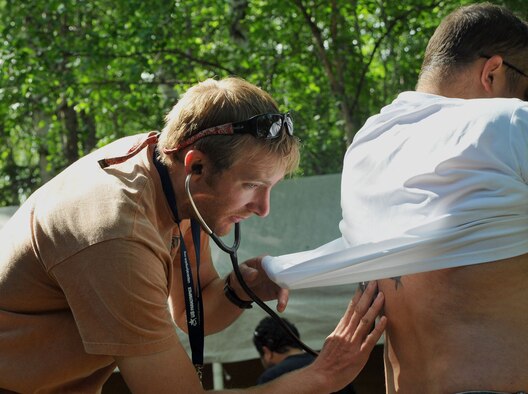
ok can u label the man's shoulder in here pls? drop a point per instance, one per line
(87, 204)
(408, 100)
(294, 362)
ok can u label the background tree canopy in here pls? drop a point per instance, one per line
(76, 74)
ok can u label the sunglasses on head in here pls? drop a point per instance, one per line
(266, 126)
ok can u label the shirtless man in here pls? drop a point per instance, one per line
(434, 195)
(461, 329)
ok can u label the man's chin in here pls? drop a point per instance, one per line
(223, 230)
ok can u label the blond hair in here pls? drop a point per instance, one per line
(215, 102)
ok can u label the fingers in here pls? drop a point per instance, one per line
(373, 338)
(248, 273)
(346, 351)
(359, 306)
(282, 299)
(260, 284)
(367, 320)
(254, 262)
(367, 309)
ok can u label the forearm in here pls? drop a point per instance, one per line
(302, 381)
(219, 312)
(344, 354)
(345, 351)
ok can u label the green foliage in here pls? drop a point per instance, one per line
(76, 74)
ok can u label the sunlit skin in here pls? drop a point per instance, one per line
(235, 194)
(485, 78)
(519, 90)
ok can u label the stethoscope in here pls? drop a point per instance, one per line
(232, 252)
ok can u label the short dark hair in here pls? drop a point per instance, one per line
(271, 334)
(472, 31)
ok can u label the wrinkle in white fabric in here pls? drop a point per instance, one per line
(429, 183)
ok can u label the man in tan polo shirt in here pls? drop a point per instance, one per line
(99, 265)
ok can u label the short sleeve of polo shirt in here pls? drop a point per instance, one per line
(119, 301)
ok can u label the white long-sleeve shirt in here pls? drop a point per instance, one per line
(429, 183)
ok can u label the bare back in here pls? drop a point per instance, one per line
(458, 329)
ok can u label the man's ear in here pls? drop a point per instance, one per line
(267, 354)
(194, 162)
(490, 73)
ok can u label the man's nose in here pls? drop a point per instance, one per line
(260, 205)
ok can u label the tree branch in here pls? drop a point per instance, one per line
(193, 59)
(391, 26)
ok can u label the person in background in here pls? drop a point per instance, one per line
(280, 353)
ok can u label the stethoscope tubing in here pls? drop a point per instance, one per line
(232, 251)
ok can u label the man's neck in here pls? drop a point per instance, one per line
(464, 85)
(291, 352)
(177, 175)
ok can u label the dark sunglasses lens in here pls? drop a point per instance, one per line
(289, 124)
(269, 125)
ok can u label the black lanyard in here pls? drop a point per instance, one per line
(191, 294)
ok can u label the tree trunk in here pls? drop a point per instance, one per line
(70, 138)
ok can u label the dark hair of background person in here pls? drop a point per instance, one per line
(270, 334)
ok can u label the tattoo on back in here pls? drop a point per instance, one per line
(363, 285)
(397, 282)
